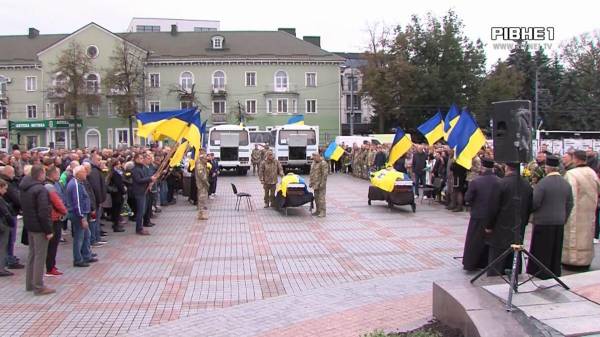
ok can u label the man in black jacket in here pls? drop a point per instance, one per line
(36, 219)
(483, 195)
(140, 182)
(508, 227)
(96, 180)
(552, 205)
(419, 163)
(7, 173)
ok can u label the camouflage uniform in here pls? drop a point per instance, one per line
(202, 185)
(364, 158)
(370, 161)
(255, 158)
(536, 172)
(318, 182)
(268, 173)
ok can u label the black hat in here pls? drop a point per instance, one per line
(513, 166)
(552, 161)
(487, 162)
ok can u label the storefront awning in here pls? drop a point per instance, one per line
(44, 124)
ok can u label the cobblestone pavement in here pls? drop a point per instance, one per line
(251, 273)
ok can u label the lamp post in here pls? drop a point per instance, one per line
(351, 101)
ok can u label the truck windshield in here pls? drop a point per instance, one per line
(311, 136)
(215, 136)
(263, 137)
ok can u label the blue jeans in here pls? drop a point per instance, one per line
(81, 240)
(163, 190)
(140, 210)
(10, 248)
(95, 226)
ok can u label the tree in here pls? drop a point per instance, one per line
(239, 115)
(124, 82)
(71, 83)
(427, 66)
(502, 83)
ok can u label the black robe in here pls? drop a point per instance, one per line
(505, 230)
(483, 195)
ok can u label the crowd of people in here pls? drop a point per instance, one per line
(73, 191)
(62, 191)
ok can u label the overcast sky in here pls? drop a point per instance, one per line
(341, 24)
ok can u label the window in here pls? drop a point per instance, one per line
(92, 83)
(353, 100)
(60, 81)
(218, 107)
(217, 42)
(32, 111)
(311, 136)
(92, 52)
(269, 106)
(186, 105)
(154, 80)
(204, 29)
(31, 83)
(352, 83)
(219, 80)
(3, 112)
(250, 78)
(3, 82)
(186, 80)
(93, 110)
(281, 81)
(311, 80)
(110, 111)
(216, 135)
(59, 110)
(122, 137)
(154, 106)
(294, 106)
(147, 28)
(282, 105)
(32, 141)
(250, 106)
(311, 106)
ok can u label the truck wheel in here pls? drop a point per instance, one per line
(369, 202)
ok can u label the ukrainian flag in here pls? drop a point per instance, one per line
(450, 121)
(298, 120)
(433, 129)
(386, 179)
(290, 178)
(178, 155)
(467, 138)
(400, 146)
(171, 124)
(333, 152)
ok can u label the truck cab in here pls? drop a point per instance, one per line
(231, 146)
(295, 145)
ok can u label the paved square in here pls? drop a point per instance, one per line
(251, 273)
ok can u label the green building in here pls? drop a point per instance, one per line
(264, 76)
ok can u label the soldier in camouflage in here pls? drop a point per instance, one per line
(202, 184)
(269, 170)
(255, 159)
(536, 169)
(318, 182)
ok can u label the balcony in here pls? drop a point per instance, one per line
(272, 89)
(54, 93)
(219, 118)
(218, 91)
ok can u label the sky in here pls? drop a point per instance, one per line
(342, 25)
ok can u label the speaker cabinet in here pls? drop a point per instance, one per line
(512, 131)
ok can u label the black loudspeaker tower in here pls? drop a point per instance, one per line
(512, 131)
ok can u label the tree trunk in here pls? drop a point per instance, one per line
(75, 127)
(130, 130)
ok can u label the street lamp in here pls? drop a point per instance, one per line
(351, 78)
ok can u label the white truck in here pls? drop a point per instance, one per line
(295, 145)
(231, 146)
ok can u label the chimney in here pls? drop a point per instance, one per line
(33, 33)
(316, 40)
(288, 30)
(173, 30)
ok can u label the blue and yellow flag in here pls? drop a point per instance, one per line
(433, 128)
(386, 179)
(178, 155)
(290, 178)
(400, 146)
(467, 139)
(170, 124)
(298, 120)
(450, 121)
(333, 152)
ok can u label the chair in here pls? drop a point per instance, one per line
(240, 196)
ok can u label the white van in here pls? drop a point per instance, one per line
(231, 146)
(358, 140)
(295, 145)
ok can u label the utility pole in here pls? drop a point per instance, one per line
(351, 101)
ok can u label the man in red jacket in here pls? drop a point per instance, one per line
(56, 215)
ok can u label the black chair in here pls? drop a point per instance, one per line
(241, 195)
